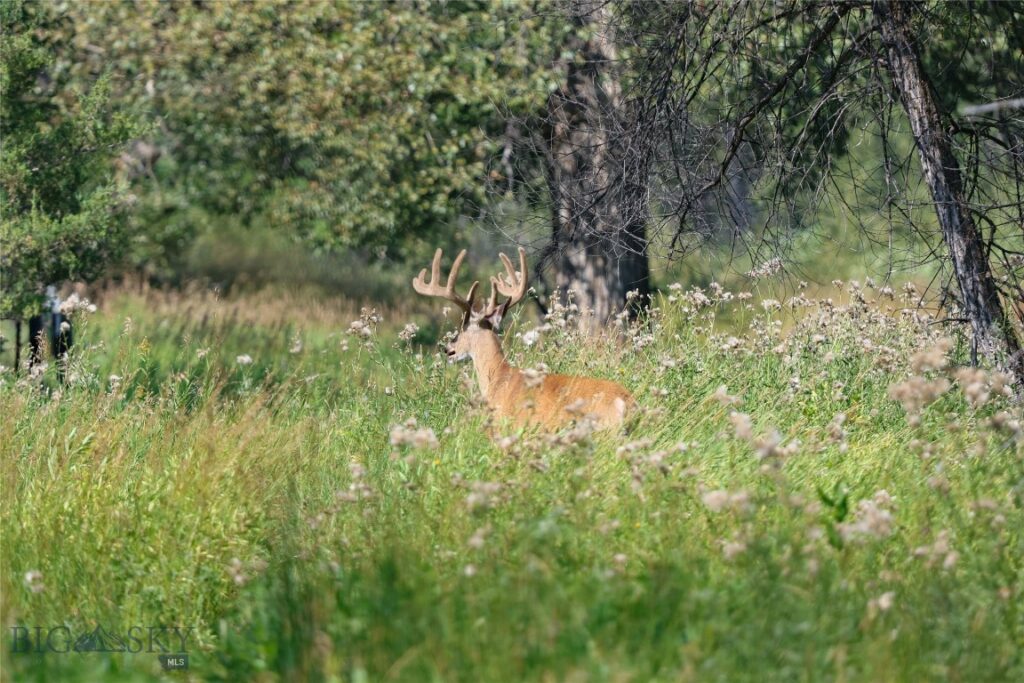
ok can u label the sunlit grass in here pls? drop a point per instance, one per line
(773, 515)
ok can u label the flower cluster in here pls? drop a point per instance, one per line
(916, 393)
(720, 500)
(240, 574)
(409, 332)
(74, 304)
(873, 518)
(941, 551)
(409, 434)
(766, 269)
(34, 581)
(364, 327)
(359, 489)
(979, 385)
(483, 495)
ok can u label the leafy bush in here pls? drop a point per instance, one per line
(59, 201)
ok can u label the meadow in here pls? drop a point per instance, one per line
(815, 489)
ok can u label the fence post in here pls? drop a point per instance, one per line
(17, 346)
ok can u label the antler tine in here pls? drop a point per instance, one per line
(435, 269)
(428, 288)
(514, 289)
(517, 283)
(446, 291)
(471, 295)
(453, 274)
(492, 301)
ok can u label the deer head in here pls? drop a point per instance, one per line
(479, 323)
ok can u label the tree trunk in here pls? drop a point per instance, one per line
(597, 176)
(994, 335)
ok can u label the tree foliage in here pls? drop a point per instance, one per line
(60, 204)
(345, 123)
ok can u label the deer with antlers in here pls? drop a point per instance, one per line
(548, 401)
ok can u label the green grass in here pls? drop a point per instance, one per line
(264, 506)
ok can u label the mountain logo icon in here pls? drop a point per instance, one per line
(99, 640)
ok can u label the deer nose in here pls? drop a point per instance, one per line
(449, 349)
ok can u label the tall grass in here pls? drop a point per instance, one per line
(778, 512)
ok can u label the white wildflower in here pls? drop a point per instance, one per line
(483, 495)
(916, 393)
(359, 328)
(933, 358)
(941, 550)
(534, 377)
(978, 386)
(479, 537)
(531, 337)
(742, 424)
(409, 332)
(733, 549)
(872, 519)
(409, 434)
(235, 571)
(731, 343)
(74, 304)
(720, 500)
(883, 603)
(34, 581)
(766, 269)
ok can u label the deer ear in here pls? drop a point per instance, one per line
(494, 319)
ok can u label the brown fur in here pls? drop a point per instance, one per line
(555, 400)
(548, 402)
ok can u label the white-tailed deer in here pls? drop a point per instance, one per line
(548, 401)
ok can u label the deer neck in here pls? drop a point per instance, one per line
(490, 364)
